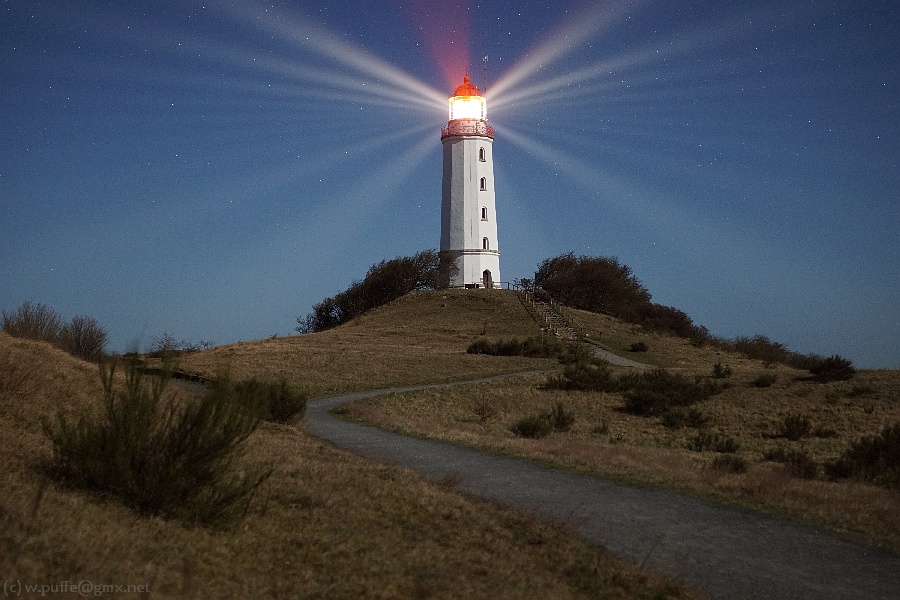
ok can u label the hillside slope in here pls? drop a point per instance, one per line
(419, 338)
(327, 524)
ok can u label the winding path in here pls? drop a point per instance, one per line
(722, 552)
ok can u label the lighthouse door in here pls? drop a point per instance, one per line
(487, 279)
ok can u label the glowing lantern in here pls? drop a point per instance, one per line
(467, 103)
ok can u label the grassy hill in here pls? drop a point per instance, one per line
(326, 524)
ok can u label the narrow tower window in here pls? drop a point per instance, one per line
(483, 183)
(484, 213)
(484, 244)
(481, 155)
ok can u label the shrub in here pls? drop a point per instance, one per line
(777, 454)
(33, 321)
(764, 380)
(730, 463)
(657, 391)
(83, 337)
(18, 378)
(721, 371)
(638, 347)
(535, 347)
(559, 418)
(677, 417)
(794, 427)
(533, 426)
(861, 390)
(833, 368)
(872, 458)
(591, 376)
(161, 457)
(280, 403)
(800, 464)
(710, 441)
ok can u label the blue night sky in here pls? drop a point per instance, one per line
(212, 169)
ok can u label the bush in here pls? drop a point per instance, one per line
(657, 391)
(384, 282)
(588, 376)
(677, 418)
(559, 418)
(794, 427)
(710, 441)
(84, 337)
(279, 402)
(721, 371)
(639, 347)
(161, 457)
(730, 463)
(35, 322)
(833, 368)
(764, 380)
(800, 464)
(535, 347)
(533, 426)
(872, 458)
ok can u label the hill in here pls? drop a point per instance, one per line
(326, 524)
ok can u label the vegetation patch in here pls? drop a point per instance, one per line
(833, 368)
(532, 426)
(764, 380)
(656, 392)
(873, 458)
(179, 460)
(533, 347)
(710, 441)
(730, 463)
(794, 427)
(83, 336)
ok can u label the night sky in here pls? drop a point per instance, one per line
(213, 169)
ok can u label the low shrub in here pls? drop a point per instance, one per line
(279, 401)
(677, 418)
(873, 458)
(730, 463)
(535, 347)
(861, 390)
(710, 441)
(800, 464)
(532, 426)
(639, 347)
(656, 392)
(588, 376)
(161, 457)
(721, 371)
(833, 368)
(559, 418)
(83, 336)
(764, 380)
(794, 427)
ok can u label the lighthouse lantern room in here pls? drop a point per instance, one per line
(468, 214)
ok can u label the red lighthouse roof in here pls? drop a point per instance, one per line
(467, 89)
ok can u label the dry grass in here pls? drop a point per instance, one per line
(609, 442)
(420, 338)
(327, 524)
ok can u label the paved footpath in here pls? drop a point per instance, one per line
(722, 552)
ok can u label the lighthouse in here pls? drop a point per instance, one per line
(468, 214)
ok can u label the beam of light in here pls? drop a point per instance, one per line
(445, 27)
(614, 68)
(561, 42)
(302, 34)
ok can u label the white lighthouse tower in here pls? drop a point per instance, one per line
(468, 215)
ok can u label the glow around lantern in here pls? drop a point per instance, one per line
(467, 107)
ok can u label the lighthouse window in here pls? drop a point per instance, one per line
(481, 155)
(484, 244)
(484, 213)
(483, 183)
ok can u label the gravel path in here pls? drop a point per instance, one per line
(722, 552)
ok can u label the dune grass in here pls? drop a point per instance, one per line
(325, 524)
